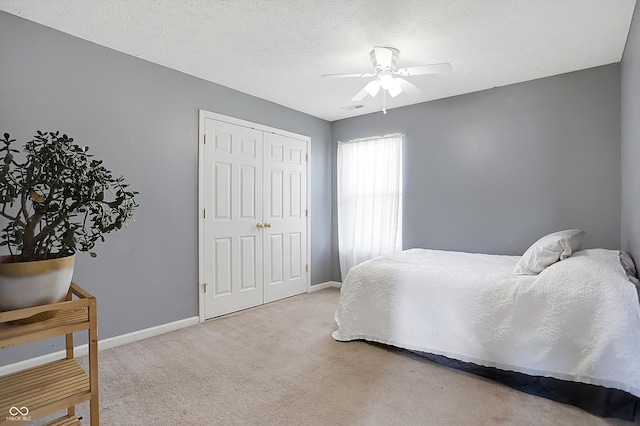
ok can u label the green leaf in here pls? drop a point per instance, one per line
(64, 186)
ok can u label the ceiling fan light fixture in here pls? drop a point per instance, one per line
(386, 80)
(394, 88)
(390, 84)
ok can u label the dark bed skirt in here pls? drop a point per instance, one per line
(597, 400)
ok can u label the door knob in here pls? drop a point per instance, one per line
(267, 225)
(259, 225)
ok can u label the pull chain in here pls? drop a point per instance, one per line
(384, 101)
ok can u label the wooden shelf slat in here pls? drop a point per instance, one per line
(64, 322)
(40, 394)
(64, 421)
(63, 317)
(36, 376)
(7, 316)
(45, 389)
(44, 334)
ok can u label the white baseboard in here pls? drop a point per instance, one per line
(110, 342)
(324, 285)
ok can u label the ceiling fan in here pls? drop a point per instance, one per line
(389, 77)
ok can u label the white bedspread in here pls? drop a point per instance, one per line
(578, 320)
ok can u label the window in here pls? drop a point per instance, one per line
(369, 199)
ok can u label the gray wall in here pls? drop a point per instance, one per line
(493, 171)
(630, 88)
(142, 120)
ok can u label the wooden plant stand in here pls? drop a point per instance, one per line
(58, 385)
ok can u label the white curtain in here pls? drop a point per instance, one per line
(369, 199)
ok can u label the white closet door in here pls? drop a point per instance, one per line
(284, 213)
(233, 196)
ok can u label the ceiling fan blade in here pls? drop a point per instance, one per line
(384, 56)
(372, 88)
(348, 75)
(408, 87)
(360, 95)
(424, 69)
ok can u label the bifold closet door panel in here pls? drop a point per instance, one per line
(233, 202)
(285, 216)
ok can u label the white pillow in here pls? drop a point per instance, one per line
(548, 250)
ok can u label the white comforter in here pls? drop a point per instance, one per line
(577, 320)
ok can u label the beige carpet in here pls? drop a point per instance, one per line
(278, 365)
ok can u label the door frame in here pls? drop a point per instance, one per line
(202, 116)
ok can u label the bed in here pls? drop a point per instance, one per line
(570, 332)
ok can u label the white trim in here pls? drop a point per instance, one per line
(238, 122)
(108, 343)
(201, 203)
(202, 116)
(308, 213)
(373, 138)
(324, 285)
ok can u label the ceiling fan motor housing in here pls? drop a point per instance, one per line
(393, 65)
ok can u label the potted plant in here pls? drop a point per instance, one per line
(55, 199)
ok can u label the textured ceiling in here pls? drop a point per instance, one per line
(278, 49)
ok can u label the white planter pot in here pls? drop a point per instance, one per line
(27, 284)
